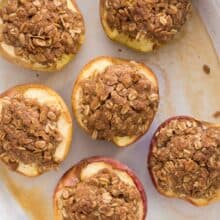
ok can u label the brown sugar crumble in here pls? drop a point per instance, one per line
(206, 69)
(185, 159)
(41, 30)
(120, 101)
(141, 19)
(103, 196)
(28, 133)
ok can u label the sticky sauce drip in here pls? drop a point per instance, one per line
(33, 201)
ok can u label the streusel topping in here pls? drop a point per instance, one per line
(121, 101)
(28, 133)
(104, 196)
(41, 30)
(147, 19)
(185, 159)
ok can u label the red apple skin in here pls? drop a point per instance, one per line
(71, 177)
(153, 140)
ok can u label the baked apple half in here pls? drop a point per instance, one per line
(35, 129)
(42, 35)
(115, 100)
(143, 24)
(99, 188)
(184, 160)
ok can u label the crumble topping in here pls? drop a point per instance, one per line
(186, 159)
(28, 133)
(101, 197)
(120, 101)
(147, 19)
(41, 30)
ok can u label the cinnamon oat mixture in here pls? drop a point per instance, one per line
(28, 133)
(186, 159)
(41, 30)
(120, 101)
(147, 19)
(101, 197)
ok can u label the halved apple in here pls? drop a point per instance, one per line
(144, 45)
(86, 170)
(99, 66)
(153, 22)
(184, 160)
(44, 96)
(8, 51)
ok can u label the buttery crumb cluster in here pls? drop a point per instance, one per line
(147, 19)
(41, 30)
(120, 101)
(185, 159)
(103, 196)
(28, 133)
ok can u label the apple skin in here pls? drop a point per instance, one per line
(72, 177)
(194, 202)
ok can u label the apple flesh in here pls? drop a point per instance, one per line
(89, 167)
